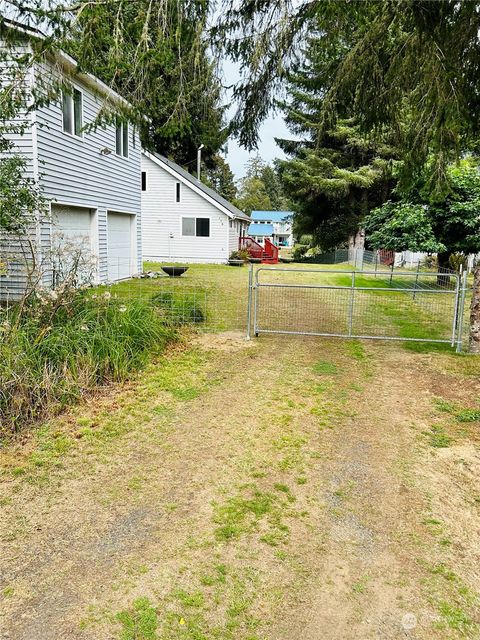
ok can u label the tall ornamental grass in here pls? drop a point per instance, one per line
(54, 352)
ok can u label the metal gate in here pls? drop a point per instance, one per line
(379, 305)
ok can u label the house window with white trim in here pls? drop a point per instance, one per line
(196, 227)
(121, 139)
(72, 112)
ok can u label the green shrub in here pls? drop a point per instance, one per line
(299, 251)
(240, 254)
(52, 354)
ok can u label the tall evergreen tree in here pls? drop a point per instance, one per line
(156, 57)
(274, 188)
(220, 177)
(335, 176)
(261, 188)
(252, 195)
(412, 65)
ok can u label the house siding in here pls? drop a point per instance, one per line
(162, 220)
(13, 276)
(73, 171)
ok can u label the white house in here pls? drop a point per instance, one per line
(274, 225)
(92, 177)
(182, 219)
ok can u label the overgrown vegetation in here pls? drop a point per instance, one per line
(51, 353)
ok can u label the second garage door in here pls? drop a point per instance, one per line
(120, 251)
(72, 244)
(73, 224)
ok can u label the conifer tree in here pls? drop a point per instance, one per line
(335, 176)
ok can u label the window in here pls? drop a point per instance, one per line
(203, 227)
(199, 227)
(72, 111)
(188, 226)
(177, 192)
(144, 180)
(121, 139)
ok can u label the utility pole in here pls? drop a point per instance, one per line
(199, 161)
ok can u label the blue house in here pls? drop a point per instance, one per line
(274, 225)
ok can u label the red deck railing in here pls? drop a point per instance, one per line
(268, 253)
(253, 248)
(272, 251)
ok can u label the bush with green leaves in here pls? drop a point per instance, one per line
(299, 252)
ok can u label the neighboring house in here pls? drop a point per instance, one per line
(274, 225)
(92, 177)
(182, 219)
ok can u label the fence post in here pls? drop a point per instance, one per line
(249, 304)
(350, 308)
(461, 312)
(255, 304)
(416, 281)
(376, 262)
(391, 272)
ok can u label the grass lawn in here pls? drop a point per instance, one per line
(221, 293)
(281, 488)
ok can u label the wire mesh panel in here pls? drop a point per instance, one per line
(309, 309)
(210, 297)
(368, 304)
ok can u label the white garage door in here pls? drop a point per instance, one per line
(72, 245)
(73, 224)
(120, 255)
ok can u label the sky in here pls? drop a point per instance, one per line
(273, 127)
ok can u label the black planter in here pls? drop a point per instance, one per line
(235, 263)
(174, 272)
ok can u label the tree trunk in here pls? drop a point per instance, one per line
(475, 313)
(443, 267)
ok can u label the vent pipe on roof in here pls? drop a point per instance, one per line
(199, 160)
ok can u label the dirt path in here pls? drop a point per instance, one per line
(278, 489)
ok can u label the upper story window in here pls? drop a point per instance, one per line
(177, 192)
(121, 139)
(144, 180)
(72, 111)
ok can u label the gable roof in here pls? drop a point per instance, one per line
(272, 216)
(68, 64)
(209, 194)
(257, 229)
